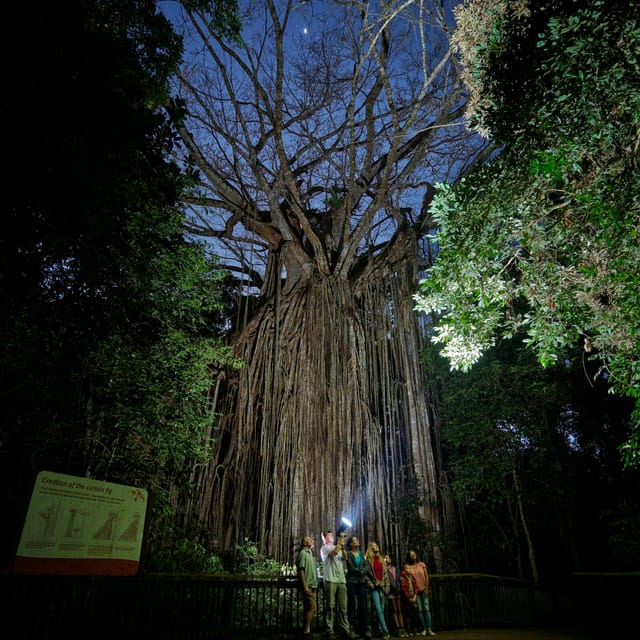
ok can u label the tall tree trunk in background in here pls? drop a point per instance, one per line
(328, 417)
(531, 552)
(316, 152)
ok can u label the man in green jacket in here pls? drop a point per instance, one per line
(308, 582)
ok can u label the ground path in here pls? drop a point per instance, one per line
(514, 634)
(506, 634)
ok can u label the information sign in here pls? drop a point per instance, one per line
(80, 526)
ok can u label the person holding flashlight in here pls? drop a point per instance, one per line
(333, 555)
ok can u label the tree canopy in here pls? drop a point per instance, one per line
(543, 240)
(109, 317)
(526, 448)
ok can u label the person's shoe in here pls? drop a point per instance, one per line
(385, 636)
(430, 633)
(423, 632)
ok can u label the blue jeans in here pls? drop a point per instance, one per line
(424, 613)
(377, 595)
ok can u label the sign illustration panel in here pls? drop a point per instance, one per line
(82, 526)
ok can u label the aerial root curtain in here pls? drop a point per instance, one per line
(316, 157)
(328, 416)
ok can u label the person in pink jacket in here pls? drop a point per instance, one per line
(420, 575)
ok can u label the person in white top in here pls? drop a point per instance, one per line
(333, 557)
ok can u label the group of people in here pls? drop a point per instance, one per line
(353, 579)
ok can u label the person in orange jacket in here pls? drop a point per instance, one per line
(418, 571)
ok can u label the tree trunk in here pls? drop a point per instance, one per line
(525, 527)
(316, 158)
(327, 418)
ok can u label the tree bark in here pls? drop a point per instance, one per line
(533, 564)
(316, 159)
(328, 417)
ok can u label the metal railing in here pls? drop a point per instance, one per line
(199, 607)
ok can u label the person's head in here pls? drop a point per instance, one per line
(306, 542)
(373, 550)
(353, 543)
(412, 557)
(387, 558)
(327, 537)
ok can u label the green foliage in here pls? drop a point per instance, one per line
(187, 556)
(544, 239)
(142, 33)
(624, 539)
(499, 417)
(508, 415)
(249, 561)
(223, 16)
(108, 329)
(512, 430)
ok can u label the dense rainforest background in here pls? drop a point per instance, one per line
(208, 267)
